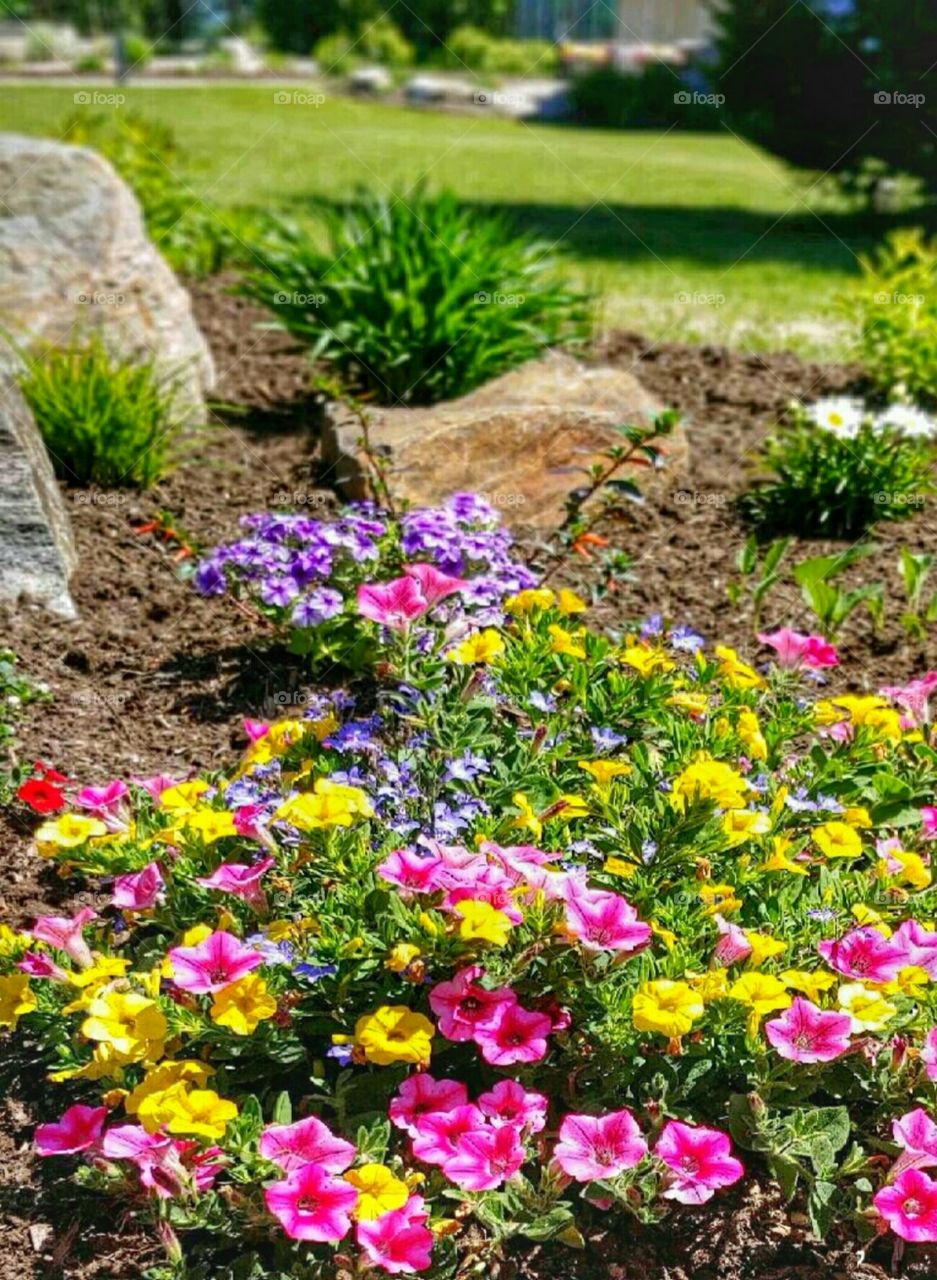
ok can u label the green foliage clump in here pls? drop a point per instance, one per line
(195, 238)
(104, 422)
(418, 298)
(16, 691)
(654, 98)
(838, 483)
(895, 314)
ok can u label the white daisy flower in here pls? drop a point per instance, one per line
(841, 415)
(907, 419)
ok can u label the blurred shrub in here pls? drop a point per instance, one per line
(470, 46)
(418, 298)
(894, 310)
(104, 422)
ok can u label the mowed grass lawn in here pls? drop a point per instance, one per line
(697, 236)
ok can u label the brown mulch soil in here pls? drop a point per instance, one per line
(153, 678)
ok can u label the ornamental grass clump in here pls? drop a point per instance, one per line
(418, 298)
(104, 422)
(553, 929)
(838, 466)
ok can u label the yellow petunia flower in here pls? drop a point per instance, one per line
(719, 899)
(188, 1112)
(565, 642)
(242, 1005)
(762, 994)
(694, 704)
(868, 712)
(16, 998)
(183, 796)
(619, 867)
(328, 804)
(482, 922)
(779, 861)
(911, 981)
(131, 1024)
(741, 825)
(647, 661)
(162, 1077)
(711, 985)
(379, 1192)
(481, 647)
(401, 957)
(869, 1010)
(837, 840)
(68, 831)
(736, 673)
(394, 1033)
(865, 915)
(528, 600)
(568, 602)
(527, 819)
(811, 984)
(667, 1007)
(709, 781)
(763, 946)
(752, 738)
(606, 771)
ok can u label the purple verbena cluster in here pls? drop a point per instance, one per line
(305, 572)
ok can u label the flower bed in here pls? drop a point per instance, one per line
(549, 927)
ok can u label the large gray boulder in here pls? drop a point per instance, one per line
(74, 255)
(37, 555)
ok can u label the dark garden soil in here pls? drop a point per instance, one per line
(155, 679)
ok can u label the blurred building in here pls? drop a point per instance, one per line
(631, 21)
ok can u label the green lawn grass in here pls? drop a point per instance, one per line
(697, 236)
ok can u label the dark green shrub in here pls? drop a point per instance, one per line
(419, 298)
(104, 422)
(654, 98)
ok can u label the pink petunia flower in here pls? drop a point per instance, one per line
(604, 921)
(592, 1147)
(241, 880)
(919, 944)
(155, 785)
(392, 604)
(462, 1005)
(312, 1205)
(492, 885)
(732, 945)
(909, 1206)
(929, 819)
(509, 1103)
(139, 890)
(513, 1035)
(485, 1158)
(411, 871)
(929, 1054)
(66, 934)
(916, 1133)
(439, 1133)
(913, 697)
(421, 1095)
(103, 803)
(308, 1141)
(38, 965)
(794, 649)
(804, 1033)
(434, 586)
(214, 963)
(79, 1129)
(699, 1161)
(864, 954)
(398, 1242)
(156, 1155)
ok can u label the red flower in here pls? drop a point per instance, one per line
(46, 771)
(41, 796)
